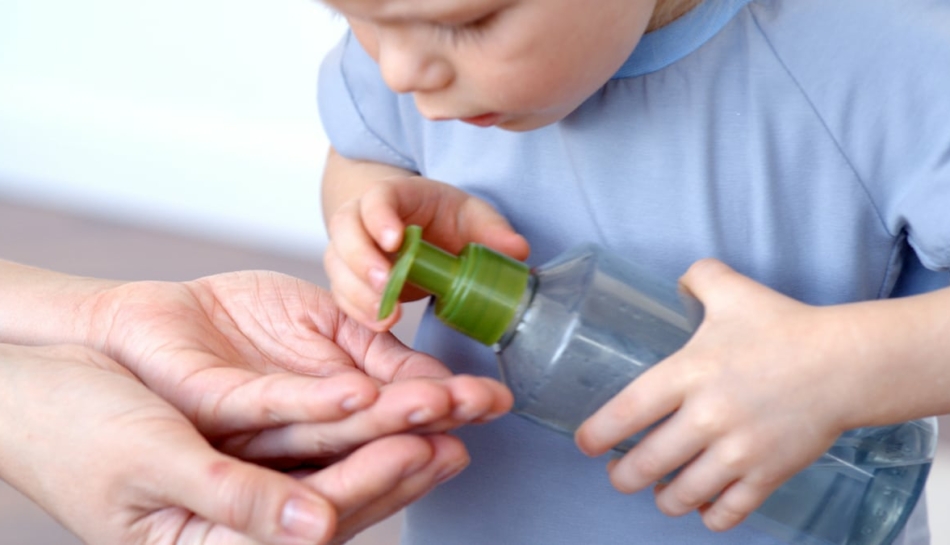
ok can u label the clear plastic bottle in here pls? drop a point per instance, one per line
(571, 334)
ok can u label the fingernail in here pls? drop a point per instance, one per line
(353, 403)
(464, 413)
(378, 278)
(305, 519)
(450, 473)
(388, 240)
(420, 416)
(415, 467)
(493, 416)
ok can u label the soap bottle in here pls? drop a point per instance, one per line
(570, 334)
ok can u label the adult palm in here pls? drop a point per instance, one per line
(269, 368)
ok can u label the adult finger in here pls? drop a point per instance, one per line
(284, 398)
(385, 357)
(384, 476)
(400, 407)
(271, 507)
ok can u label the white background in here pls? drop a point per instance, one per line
(192, 115)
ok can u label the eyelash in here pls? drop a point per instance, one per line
(470, 29)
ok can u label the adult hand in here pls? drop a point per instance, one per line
(267, 366)
(118, 465)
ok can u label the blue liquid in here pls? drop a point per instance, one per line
(594, 323)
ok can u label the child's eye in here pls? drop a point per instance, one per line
(469, 29)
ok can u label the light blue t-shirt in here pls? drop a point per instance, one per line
(806, 143)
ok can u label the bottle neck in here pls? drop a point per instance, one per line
(476, 292)
(523, 304)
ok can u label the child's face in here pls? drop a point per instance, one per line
(516, 64)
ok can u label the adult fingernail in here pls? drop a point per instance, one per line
(465, 413)
(420, 416)
(450, 472)
(494, 416)
(415, 467)
(354, 402)
(304, 519)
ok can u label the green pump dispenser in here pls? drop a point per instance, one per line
(477, 292)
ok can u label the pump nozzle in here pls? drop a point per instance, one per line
(477, 292)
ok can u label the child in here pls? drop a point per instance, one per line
(804, 143)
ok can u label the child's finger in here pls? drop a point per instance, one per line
(719, 286)
(379, 211)
(699, 482)
(354, 297)
(479, 222)
(665, 448)
(478, 397)
(703, 276)
(735, 503)
(652, 396)
(356, 248)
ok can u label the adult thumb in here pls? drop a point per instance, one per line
(270, 507)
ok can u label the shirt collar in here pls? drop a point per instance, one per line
(668, 44)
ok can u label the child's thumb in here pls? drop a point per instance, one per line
(704, 279)
(718, 286)
(265, 505)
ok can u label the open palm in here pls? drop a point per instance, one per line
(268, 367)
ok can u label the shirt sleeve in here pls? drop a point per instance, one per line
(879, 81)
(361, 116)
(904, 150)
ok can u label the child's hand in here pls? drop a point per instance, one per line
(363, 230)
(758, 393)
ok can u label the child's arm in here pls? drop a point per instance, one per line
(367, 205)
(764, 388)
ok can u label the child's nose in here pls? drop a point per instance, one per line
(413, 69)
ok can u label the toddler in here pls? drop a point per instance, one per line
(790, 159)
